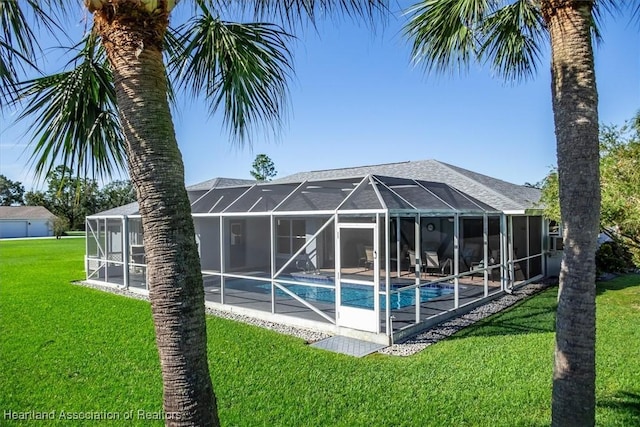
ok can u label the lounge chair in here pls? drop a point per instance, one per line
(367, 260)
(137, 254)
(432, 262)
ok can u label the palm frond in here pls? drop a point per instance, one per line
(172, 49)
(242, 67)
(18, 43)
(601, 8)
(620, 6)
(445, 33)
(17, 47)
(77, 123)
(294, 13)
(636, 13)
(512, 39)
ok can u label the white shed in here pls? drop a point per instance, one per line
(25, 221)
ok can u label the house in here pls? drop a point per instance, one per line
(25, 221)
(375, 252)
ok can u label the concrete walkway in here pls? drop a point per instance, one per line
(349, 346)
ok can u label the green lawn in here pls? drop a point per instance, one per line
(69, 348)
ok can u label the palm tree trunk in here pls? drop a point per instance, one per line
(133, 41)
(575, 109)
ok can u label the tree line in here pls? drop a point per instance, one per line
(619, 184)
(73, 198)
(69, 198)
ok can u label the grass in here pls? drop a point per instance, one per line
(68, 348)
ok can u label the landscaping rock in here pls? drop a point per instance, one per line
(408, 347)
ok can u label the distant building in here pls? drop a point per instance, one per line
(25, 221)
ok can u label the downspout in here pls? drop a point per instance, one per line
(272, 261)
(503, 252)
(387, 278)
(125, 250)
(222, 257)
(86, 248)
(511, 280)
(418, 267)
(456, 259)
(376, 273)
(485, 253)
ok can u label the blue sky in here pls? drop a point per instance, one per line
(357, 100)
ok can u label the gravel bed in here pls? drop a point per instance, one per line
(308, 335)
(305, 334)
(408, 347)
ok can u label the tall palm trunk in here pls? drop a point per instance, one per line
(575, 109)
(133, 40)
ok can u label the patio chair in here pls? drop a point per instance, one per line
(137, 254)
(137, 257)
(432, 262)
(367, 260)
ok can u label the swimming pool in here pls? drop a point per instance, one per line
(361, 296)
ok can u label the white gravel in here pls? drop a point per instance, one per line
(408, 347)
(305, 334)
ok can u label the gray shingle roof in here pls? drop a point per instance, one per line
(129, 209)
(195, 191)
(375, 192)
(494, 192)
(220, 182)
(25, 212)
(500, 194)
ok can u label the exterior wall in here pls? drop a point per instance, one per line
(312, 250)
(554, 259)
(553, 248)
(258, 244)
(25, 228)
(208, 240)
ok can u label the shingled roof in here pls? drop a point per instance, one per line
(500, 194)
(195, 191)
(25, 212)
(220, 182)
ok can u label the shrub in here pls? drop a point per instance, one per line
(60, 226)
(614, 257)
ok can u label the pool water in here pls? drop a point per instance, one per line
(361, 296)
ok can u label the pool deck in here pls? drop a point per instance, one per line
(249, 296)
(256, 295)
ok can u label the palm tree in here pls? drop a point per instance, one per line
(242, 67)
(510, 35)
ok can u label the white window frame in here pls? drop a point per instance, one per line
(555, 231)
(299, 240)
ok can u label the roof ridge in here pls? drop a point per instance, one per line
(484, 175)
(354, 167)
(468, 179)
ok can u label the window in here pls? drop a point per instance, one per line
(290, 235)
(555, 236)
(555, 244)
